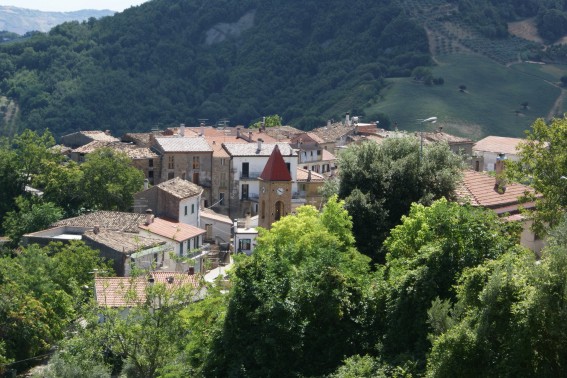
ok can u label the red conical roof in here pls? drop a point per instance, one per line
(276, 169)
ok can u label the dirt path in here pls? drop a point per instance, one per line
(557, 107)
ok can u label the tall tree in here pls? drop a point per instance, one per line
(110, 180)
(379, 182)
(543, 166)
(300, 304)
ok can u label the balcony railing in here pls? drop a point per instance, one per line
(250, 175)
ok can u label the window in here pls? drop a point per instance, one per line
(170, 162)
(288, 165)
(222, 162)
(192, 208)
(221, 199)
(170, 175)
(151, 174)
(196, 162)
(245, 189)
(196, 242)
(196, 178)
(318, 152)
(151, 163)
(185, 211)
(244, 244)
(245, 169)
(181, 249)
(223, 180)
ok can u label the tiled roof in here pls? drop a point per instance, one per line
(125, 242)
(140, 139)
(131, 150)
(333, 132)
(303, 175)
(99, 135)
(479, 189)
(172, 230)
(130, 291)
(180, 188)
(281, 133)
(109, 220)
(183, 144)
(251, 149)
(327, 156)
(276, 169)
(498, 144)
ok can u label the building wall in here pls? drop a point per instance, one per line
(150, 167)
(188, 210)
(273, 192)
(220, 184)
(491, 157)
(217, 231)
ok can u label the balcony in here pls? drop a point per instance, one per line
(250, 175)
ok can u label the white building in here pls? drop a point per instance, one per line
(491, 147)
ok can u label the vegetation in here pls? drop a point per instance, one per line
(379, 182)
(148, 65)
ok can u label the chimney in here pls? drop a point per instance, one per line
(500, 185)
(149, 217)
(182, 130)
(263, 123)
(328, 123)
(202, 132)
(146, 184)
(247, 220)
(107, 132)
(259, 145)
(309, 176)
(237, 132)
(250, 136)
(96, 229)
(347, 119)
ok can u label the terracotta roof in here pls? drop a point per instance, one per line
(276, 169)
(251, 149)
(303, 175)
(125, 242)
(109, 220)
(479, 189)
(172, 230)
(327, 156)
(498, 144)
(180, 188)
(183, 144)
(307, 137)
(130, 291)
(131, 150)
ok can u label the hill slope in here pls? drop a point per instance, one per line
(20, 20)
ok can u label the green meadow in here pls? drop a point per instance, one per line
(491, 104)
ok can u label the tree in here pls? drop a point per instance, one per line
(299, 305)
(427, 254)
(542, 164)
(33, 214)
(270, 121)
(462, 88)
(510, 319)
(10, 182)
(525, 105)
(110, 180)
(564, 80)
(379, 182)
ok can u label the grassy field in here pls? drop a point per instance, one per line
(491, 104)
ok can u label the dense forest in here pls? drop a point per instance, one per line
(167, 62)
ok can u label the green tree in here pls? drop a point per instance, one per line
(427, 254)
(300, 304)
(379, 182)
(62, 184)
(110, 180)
(270, 121)
(32, 214)
(542, 165)
(10, 182)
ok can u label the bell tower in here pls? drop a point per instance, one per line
(275, 190)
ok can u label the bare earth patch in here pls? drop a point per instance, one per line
(525, 29)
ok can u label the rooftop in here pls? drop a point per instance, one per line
(130, 291)
(133, 151)
(251, 149)
(172, 230)
(180, 188)
(479, 189)
(107, 220)
(303, 176)
(440, 136)
(333, 132)
(96, 135)
(498, 145)
(126, 242)
(210, 214)
(183, 144)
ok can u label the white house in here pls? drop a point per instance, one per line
(492, 147)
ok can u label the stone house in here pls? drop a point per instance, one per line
(189, 158)
(175, 199)
(80, 138)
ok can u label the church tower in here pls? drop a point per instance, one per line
(275, 190)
